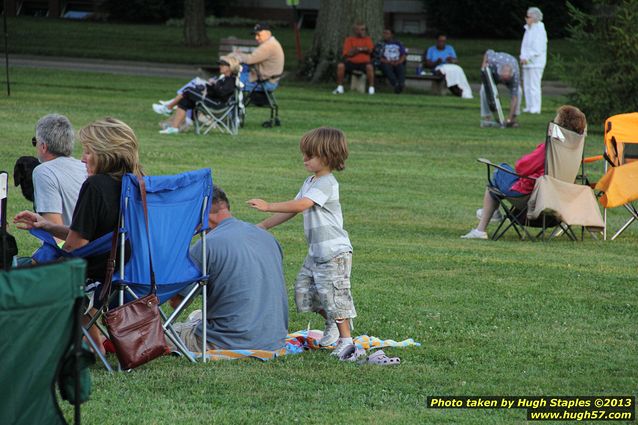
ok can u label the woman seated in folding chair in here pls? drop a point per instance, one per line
(216, 93)
(109, 150)
(530, 165)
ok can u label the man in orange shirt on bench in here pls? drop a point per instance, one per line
(357, 51)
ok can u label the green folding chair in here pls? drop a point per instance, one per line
(40, 324)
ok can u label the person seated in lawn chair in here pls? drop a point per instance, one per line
(109, 150)
(59, 177)
(167, 107)
(263, 67)
(247, 304)
(217, 91)
(530, 165)
(389, 57)
(215, 88)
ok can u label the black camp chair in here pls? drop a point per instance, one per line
(225, 117)
(40, 323)
(261, 97)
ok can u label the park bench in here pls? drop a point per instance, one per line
(227, 46)
(414, 77)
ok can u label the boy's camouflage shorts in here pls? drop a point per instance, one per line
(326, 286)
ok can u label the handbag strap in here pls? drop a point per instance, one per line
(142, 185)
(110, 266)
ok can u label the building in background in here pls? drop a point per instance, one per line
(404, 16)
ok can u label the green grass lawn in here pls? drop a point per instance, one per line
(494, 318)
(161, 43)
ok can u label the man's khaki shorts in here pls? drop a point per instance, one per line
(326, 286)
(186, 331)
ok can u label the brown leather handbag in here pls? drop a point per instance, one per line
(135, 328)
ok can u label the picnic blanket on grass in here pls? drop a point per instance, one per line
(298, 342)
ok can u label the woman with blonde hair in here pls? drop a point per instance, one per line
(216, 91)
(109, 150)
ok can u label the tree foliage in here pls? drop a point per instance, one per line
(496, 18)
(604, 70)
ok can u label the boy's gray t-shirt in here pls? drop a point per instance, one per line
(56, 185)
(247, 300)
(323, 222)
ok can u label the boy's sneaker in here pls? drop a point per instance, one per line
(164, 102)
(330, 334)
(338, 90)
(169, 130)
(347, 352)
(370, 90)
(496, 217)
(161, 109)
(475, 234)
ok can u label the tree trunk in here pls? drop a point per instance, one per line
(194, 26)
(334, 24)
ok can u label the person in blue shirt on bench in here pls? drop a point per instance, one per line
(439, 54)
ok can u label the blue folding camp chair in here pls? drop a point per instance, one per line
(178, 208)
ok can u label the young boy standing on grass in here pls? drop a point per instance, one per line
(323, 283)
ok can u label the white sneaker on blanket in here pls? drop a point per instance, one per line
(330, 334)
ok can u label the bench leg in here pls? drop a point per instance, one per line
(358, 83)
(438, 87)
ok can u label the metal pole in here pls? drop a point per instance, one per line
(295, 27)
(4, 189)
(6, 45)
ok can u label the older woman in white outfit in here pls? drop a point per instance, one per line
(533, 58)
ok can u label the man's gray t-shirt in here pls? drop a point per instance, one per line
(323, 222)
(56, 185)
(247, 300)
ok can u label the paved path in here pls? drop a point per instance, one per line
(103, 65)
(168, 69)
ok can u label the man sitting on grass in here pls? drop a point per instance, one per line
(247, 304)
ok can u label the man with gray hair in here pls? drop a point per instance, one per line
(504, 69)
(59, 177)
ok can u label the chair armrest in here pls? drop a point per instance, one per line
(590, 159)
(500, 167)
